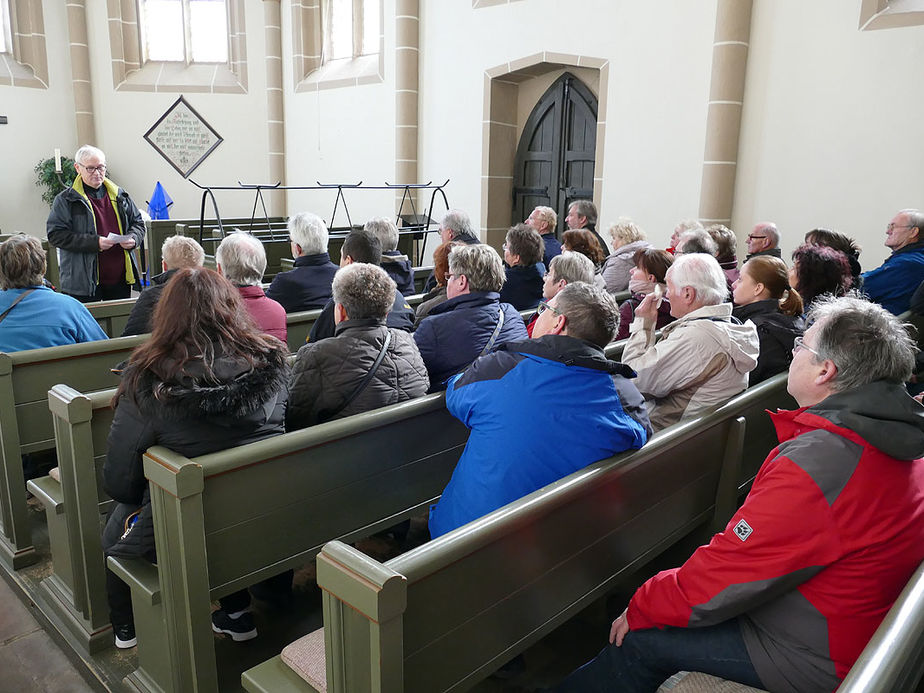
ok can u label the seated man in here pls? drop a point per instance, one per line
(764, 240)
(362, 246)
(178, 252)
(472, 321)
(545, 221)
(32, 316)
(565, 268)
(523, 255)
(703, 357)
(366, 365)
(307, 286)
(541, 409)
(454, 226)
(892, 284)
(787, 596)
(241, 259)
(396, 264)
(582, 214)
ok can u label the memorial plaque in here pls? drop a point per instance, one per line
(183, 137)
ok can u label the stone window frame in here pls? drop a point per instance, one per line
(310, 72)
(888, 14)
(131, 73)
(478, 4)
(27, 64)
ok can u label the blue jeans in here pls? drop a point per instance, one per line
(648, 657)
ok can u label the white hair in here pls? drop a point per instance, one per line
(310, 232)
(701, 273)
(87, 151)
(242, 258)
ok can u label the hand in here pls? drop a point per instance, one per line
(619, 630)
(105, 243)
(648, 309)
(919, 398)
(127, 243)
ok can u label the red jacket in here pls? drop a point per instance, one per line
(825, 541)
(267, 313)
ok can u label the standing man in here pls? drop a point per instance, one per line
(545, 221)
(95, 224)
(764, 240)
(582, 214)
(895, 280)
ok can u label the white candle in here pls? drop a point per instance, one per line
(57, 161)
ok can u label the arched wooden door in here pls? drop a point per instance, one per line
(555, 157)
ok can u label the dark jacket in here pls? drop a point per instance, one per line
(328, 372)
(305, 287)
(457, 330)
(627, 315)
(400, 317)
(71, 227)
(772, 252)
(552, 247)
(892, 284)
(776, 332)
(398, 267)
(431, 300)
(523, 287)
(141, 317)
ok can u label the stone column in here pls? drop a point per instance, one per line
(275, 112)
(80, 72)
(723, 122)
(407, 76)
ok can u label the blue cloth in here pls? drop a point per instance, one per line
(159, 206)
(538, 410)
(552, 248)
(457, 330)
(892, 284)
(523, 286)
(305, 287)
(45, 319)
(398, 267)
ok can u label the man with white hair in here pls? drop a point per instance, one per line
(764, 240)
(94, 225)
(395, 263)
(307, 285)
(241, 259)
(892, 284)
(545, 221)
(703, 358)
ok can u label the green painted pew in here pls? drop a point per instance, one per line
(112, 316)
(26, 424)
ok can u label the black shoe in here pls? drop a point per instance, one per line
(125, 636)
(240, 628)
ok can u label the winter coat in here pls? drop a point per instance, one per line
(585, 406)
(892, 284)
(457, 330)
(398, 267)
(267, 313)
(306, 286)
(523, 287)
(430, 301)
(700, 362)
(627, 314)
(617, 266)
(776, 332)
(44, 318)
(829, 534)
(140, 320)
(552, 247)
(326, 373)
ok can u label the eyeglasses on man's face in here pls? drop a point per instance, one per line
(95, 169)
(544, 306)
(892, 226)
(752, 237)
(798, 344)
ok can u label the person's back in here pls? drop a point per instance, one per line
(307, 285)
(523, 251)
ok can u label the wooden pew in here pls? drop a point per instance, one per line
(549, 555)
(26, 425)
(112, 316)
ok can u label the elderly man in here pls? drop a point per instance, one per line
(472, 321)
(764, 240)
(32, 316)
(177, 252)
(560, 383)
(682, 226)
(703, 357)
(894, 282)
(787, 596)
(454, 226)
(94, 224)
(307, 285)
(366, 365)
(241, 259)
(545, 221)
(582, 214)
(566, 268)
(395, 263)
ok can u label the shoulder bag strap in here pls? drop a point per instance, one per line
(13, 304)
(497, 329)
(365, 381)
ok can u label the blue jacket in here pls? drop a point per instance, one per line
(45, 319)
(398, 267)
(307, 286)
(895, 280)
(538, 410)
(552, 247)
(457, 330)
(523, 287)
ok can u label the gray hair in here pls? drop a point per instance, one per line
(385, 231)
(22, 262)
(572, 267)
(459, 223)
(696, 241)
(480, 264)
(310, 232)
(773, 234)
(87, 151)
(180, 252)
(864, 340)
(591, 313)
(687, 225)
(585, 208)
(626, 231)
(548, 215)
(915, 218)
(700, 272)
(242, 258)
(364, 291)
(725, 241)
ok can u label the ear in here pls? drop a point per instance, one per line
(827, 373)
(689, 294)
(558, 327)
(463, 283)
(758, 288)
(651, 278)
(340, 313)
(163, 264)
(218, 269)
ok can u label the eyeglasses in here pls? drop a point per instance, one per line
(751, 236)
(891, 227)
(798, 343)
(95, 169)
(544, 306)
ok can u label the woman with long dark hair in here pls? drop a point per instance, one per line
(206, 380)
(818, 270)
(646, 277)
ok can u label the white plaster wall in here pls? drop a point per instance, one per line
(832, 129)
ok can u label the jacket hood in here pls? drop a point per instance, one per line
(570, 351)
(738, 340)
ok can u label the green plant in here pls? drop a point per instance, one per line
(47, 180)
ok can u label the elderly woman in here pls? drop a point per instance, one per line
(727, 252)
(33, 316)
(627, 239)
(437, 294)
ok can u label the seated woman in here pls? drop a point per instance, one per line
(763, 296)
(726, 250)
(437, 294)
(628, 239)
(650, 269)
(817, 270)
(206, 380)
(848, 246)
(523, 251)
(34, 316)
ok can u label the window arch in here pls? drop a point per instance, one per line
(190, 31)
(23, 60)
